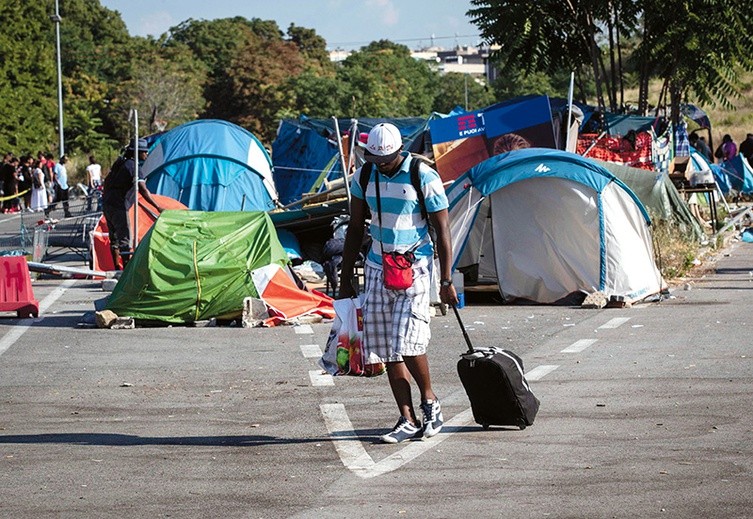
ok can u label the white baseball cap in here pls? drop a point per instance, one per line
(384, 144)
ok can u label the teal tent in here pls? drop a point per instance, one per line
(212, 165)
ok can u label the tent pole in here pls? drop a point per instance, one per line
(342, 159)
(353, 138)
(135, 237)
(594, 143)
(569, 111)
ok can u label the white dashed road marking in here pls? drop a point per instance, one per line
(302, 329)
(614, 323)
(540, 372)
(579, 346)
(17, 331)
(318, 378)
(311, 351)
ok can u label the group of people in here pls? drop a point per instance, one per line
(39, 184)
(727, 150)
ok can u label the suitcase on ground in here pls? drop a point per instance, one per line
(495, 383)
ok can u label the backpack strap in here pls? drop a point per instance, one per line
(363, 180)
(415, 180)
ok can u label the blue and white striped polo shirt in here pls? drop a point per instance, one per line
(403, 227)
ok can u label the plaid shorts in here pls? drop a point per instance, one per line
(396, 322)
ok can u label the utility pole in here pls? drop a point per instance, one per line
(57, 19)
(465, 78)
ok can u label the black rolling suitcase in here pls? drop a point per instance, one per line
(496, 385)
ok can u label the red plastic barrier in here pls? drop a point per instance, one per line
(16, 293)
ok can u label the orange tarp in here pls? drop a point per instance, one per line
(101, 256)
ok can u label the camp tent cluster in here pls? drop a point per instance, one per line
(545, 225)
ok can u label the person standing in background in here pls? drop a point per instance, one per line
(727, 149)
(61, 185)
(746, 147)
(38, 190)
(93, 184)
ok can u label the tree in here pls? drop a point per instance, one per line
(676, 49)
(550, 36)
(258, 79)
(28, 90)
(673, 44)
(94, 40)
(455, 88)
(168, 85)
(218, 44)
(312, 46)
(317, 96)
(385, 81)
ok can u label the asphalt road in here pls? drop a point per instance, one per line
(647, 414)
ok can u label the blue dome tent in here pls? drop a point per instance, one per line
(212, 165)
(544, 224)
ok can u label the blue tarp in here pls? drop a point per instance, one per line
(212, 165)
(735, 174)
(305, 151)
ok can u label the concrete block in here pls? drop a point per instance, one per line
(254, 312)
(595, 300)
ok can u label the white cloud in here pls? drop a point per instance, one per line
(385, 10)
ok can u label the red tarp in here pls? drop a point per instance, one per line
(101, 256)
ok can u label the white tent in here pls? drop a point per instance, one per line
(545, 224)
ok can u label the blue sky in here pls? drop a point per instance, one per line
(346, 24)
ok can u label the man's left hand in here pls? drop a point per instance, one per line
(448, 295)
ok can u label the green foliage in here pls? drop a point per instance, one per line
(93, 39)
(317, 96)
(452, 90)
(27, 78)
(166, 87)
(258, 79)
(385, 81)
(312, 46)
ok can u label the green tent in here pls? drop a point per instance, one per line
(195, 265)
(658, 194)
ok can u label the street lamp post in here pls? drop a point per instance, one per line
(57, 19)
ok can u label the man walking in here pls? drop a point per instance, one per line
(396, 320)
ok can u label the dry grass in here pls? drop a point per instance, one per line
(674, 251)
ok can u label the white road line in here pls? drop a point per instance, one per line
(540, 372)
(579, 346)
(311, 351)
(321, 379)
(303, 329)
(17, 331)
(614, 323)
(354, 455)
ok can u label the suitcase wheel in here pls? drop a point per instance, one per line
(485, 425)
(522, 426)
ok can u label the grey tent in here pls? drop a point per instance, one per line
(658, 195)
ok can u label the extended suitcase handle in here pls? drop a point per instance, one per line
(462, 327)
